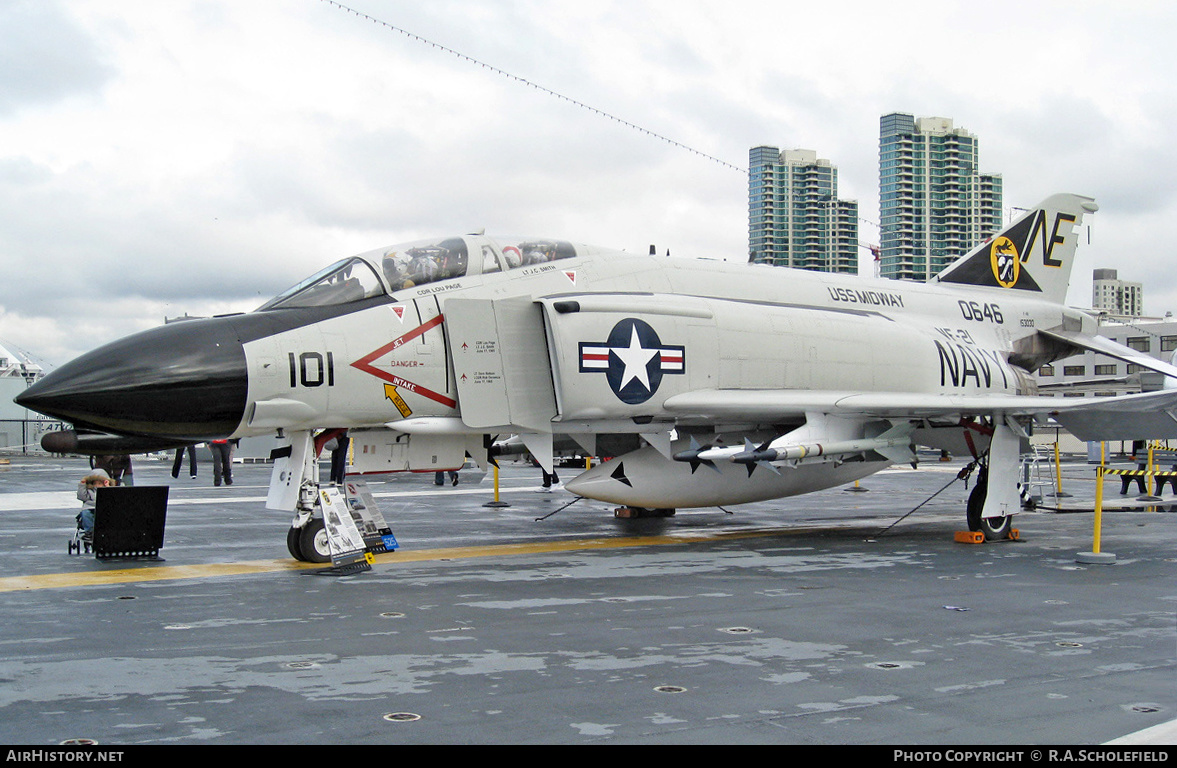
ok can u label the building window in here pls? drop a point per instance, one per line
(1105, 370)
(1074, 370)
(1139, 343)
(1168, 343)
(1046, 370)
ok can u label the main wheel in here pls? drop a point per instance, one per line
(992, 527)
(312, 542)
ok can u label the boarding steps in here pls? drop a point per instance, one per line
(1035, 477)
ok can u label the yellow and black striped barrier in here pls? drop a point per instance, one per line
(1163, 474)
(1150, 481)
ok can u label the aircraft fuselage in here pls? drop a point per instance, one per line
(425, 349)
(715, 326)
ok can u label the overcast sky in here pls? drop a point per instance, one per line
(162, 158)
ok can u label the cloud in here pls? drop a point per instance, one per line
(198, 157)
(45, 56)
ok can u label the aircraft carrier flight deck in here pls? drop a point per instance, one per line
(822, 619)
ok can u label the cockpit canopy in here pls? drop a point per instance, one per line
(400, 267)
(341, 283)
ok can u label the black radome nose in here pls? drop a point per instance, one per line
(185, 380)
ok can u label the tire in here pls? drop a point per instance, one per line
(292, 544)
(312, 542)
(974, 506)
(993, 527)
(996, 528)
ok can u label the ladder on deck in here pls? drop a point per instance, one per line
(1034, 477)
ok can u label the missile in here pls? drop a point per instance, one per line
(895, 444)
(801, 452)
(750, 455)
(693, 455)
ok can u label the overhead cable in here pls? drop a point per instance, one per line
(537, 86)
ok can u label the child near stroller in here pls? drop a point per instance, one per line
(83, 537)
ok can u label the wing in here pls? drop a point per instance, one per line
(768, 406)
(1147, 416)
(1151, 415)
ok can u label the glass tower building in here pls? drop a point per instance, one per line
(934, 204)
(795, 218)
(1115, 296)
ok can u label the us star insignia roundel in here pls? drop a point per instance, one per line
(633, 359)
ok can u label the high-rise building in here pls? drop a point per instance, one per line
(934, 204)
(1114, 296)
(795, 218)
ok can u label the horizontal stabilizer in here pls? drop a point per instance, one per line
(1105, 346)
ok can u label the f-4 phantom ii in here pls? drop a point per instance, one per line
(708, 383)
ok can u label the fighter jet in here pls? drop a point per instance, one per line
(709, 383)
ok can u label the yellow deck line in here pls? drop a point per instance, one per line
(148, 572)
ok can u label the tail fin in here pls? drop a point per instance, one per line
(1035, 253)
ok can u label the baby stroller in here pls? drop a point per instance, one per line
(82, 539)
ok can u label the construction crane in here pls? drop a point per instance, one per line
(874, 251)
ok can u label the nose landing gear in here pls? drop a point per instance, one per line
(309, 543)
(992, 527)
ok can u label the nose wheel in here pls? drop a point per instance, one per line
(992, 527)
(309, 543)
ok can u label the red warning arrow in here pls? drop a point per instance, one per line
(365, 364)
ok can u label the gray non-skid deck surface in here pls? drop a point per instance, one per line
(785, 622)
